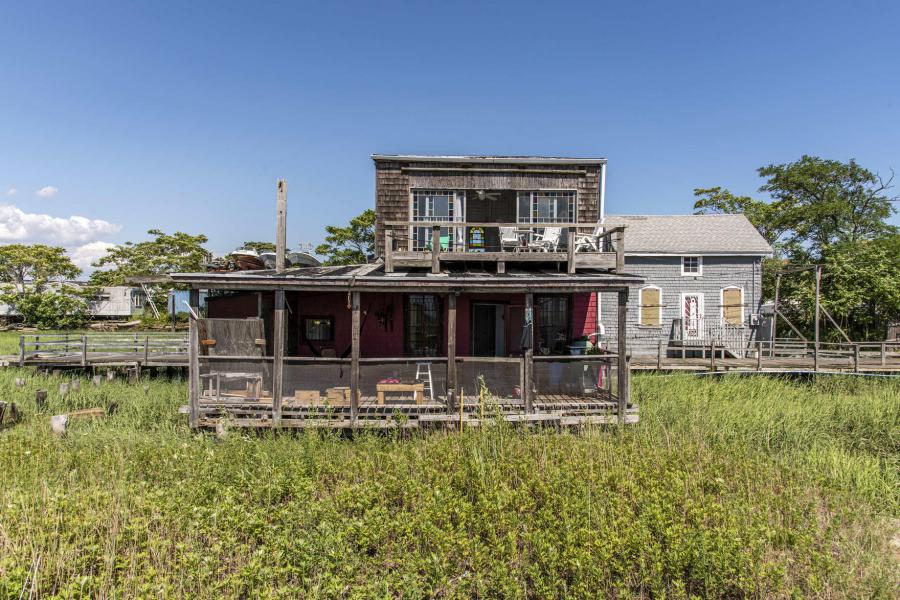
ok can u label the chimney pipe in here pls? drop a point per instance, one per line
(281, 226)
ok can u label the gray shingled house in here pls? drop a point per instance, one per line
(703, 275)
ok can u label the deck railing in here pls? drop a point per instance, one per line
(581, 246)
(319, 391)
(80, 348)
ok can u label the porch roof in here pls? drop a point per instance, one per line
(371, 277)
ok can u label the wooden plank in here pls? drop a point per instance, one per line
(278, 327)
(354, 357)
(389, 251)
(281, 227)
(194, 364)
(528, 363)
(620, 250)
(435, 249)
(622, 366)
(451, 347)
(425, 223)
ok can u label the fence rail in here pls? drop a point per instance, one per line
(86, 348)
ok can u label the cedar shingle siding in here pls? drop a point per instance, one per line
(393, 185)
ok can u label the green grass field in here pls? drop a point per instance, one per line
(730, 487)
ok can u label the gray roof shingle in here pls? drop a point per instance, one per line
(689, 234)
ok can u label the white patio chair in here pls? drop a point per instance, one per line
(547, 241)
(509, 238)
(589, 242)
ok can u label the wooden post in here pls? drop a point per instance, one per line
(146, 349)
(570, 250)
(21, 350)
(659, 355)
(620, 250)
(712, 356)
(436, 249)
(354, 359)
(84, 350)
(388, 250)
(883, 354)
(775, 316)
(528, 360)
(621, 343)
(816, 347)
(193, 363)
(451, 350)
(856, 358)
(501, 266)
(281, 226)
(759, 351)
(278, 357)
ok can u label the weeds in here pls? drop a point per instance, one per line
(738, 487)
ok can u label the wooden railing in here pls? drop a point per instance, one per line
(79, 347)
(606, 251)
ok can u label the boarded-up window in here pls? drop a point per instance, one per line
(651, 307)
(732, 306)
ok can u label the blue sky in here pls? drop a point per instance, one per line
(181, 115)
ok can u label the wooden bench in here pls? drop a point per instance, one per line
(416, 389)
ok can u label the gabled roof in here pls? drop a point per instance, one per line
(690, 234)
(486, 159)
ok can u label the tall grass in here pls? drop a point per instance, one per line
(738, 487)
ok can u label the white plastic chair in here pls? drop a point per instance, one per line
(509, 238)
(585, 242)
(547, 241)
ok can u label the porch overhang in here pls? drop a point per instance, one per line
(372, 278)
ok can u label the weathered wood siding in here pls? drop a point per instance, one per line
(393, 184)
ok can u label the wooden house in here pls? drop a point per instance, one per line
(481, 300)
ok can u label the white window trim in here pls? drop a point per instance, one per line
(459, 212)
(722, 305)
(530, 217)
(641, 307)
(699, 272)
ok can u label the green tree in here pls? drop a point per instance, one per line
(825, 212)
(352, 244)
(165, 253)
(260, 247)
(64, 308)
(35, 264)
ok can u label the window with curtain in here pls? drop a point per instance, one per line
(733, 306)
(651, 307)
(423, 325)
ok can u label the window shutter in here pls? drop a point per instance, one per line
(731, 306)
(650, 307)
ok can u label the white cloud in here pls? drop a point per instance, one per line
(48, 191)
(12, 191)
(84, 255)
(17, 225)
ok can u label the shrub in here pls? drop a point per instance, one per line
(50, 310)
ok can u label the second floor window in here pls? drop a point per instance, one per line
(546, 207)
(436, 205)
(691, 265)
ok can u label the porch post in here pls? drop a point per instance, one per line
(354, 359)
(622, 364)
(620, 250)
(194, 360)
(278, 351)
(570, 251)
(436, 249)
(528, 362)
(388, 250)
(451, 350)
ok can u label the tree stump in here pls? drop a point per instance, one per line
(40, 399)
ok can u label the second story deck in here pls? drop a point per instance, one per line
(497, 209)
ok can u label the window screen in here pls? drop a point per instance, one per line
(423, 324)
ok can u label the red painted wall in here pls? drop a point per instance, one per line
(381, 334)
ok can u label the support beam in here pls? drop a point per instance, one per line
(354, 358)
(620, 250)
(528, 362)
(451, 351)
(816, 329)
(194, 361)
(775, 315)
(436, 249)
(281, 226)
(278, 327)
(621, 346)
(570, 251)
(389, 250)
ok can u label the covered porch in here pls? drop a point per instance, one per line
(353, 347)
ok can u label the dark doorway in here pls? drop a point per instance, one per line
(488, 330)
(490, 206)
